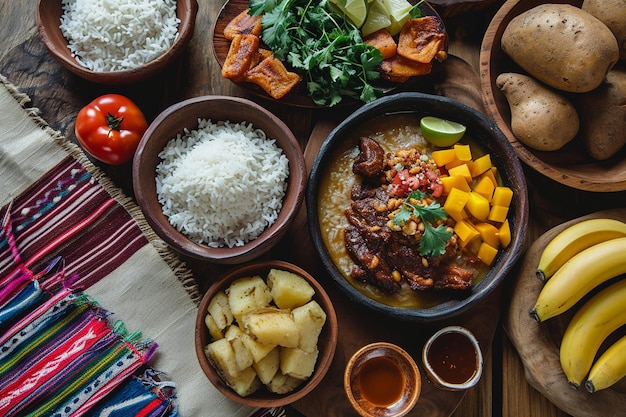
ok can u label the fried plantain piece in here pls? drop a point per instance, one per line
(422, 40)
(243, 24)
(272, 76)
(399, 69)
(243, 54)
(383, 41)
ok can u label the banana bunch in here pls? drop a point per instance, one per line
(575, 262)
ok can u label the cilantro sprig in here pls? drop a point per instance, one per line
(434, 239)
(325, 48)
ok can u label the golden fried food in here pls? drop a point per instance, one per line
(243, 24)
(422, 39)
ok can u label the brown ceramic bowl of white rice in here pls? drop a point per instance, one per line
(116, 42)
(219, 178)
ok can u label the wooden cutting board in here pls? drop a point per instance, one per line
(538, 343)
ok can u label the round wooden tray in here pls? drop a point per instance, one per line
(571, 165)
(538, 343)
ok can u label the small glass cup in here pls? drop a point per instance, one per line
(452, 359)
(382, 380)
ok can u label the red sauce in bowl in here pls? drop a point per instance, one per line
(453, 358)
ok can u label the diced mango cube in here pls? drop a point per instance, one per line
(487, 253)
(504, 234)
(502, 196)
(478, 206)
(461, 170)
(466, 232)
(454, 163)
(455, 181)
(491, 174)
(443, 157)
(463, 152)
(488, 233)
(498, 213)
(481, 165)
(485, 188)
(455, 203)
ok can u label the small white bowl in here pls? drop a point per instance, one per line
(452, 359)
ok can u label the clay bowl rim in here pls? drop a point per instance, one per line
(329, 335)
(504, 158)
(435, 378)
(217, 108)
(49, 13)
(389, 350)
(574, 169)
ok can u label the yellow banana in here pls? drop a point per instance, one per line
(574, 239)
(596, 319)
(609, 368)
(582, 273)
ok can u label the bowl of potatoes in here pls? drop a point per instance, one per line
(266, 333)
(553, 76)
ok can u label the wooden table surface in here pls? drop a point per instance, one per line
(503, 390)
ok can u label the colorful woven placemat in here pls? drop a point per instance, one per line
(70, 236)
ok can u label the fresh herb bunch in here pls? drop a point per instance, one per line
(324, 47)
(434, 239)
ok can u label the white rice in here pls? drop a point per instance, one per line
(222, 184)
(115, 35)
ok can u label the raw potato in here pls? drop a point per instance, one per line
(603, 116)
(541, 118)
(613, 14)
(561, 46)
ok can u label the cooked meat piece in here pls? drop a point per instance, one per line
(399, 69)
(453, 277)
(243, 24)
(242, 55)
(272, 76)
(371, 160)
(422, 39)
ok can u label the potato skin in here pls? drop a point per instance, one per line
(603, 116)
(613, 14)
(541, 118)
(561, 46)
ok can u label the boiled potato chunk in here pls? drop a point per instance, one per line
(267, 367)
(220, 310)
(245, 383)
(272, 326)
(235, 336)
(310, 319)
(214, 330)
(297, 363)
(247, 294)
(222, 356)
(288, 289)
(283, 384)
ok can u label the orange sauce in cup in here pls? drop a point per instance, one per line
(453, 358)
(381, 381)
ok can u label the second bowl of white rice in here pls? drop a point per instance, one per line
(219, 178)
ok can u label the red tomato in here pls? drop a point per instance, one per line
(110, 128)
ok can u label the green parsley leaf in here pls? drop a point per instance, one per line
(415, 11)
(434, 239)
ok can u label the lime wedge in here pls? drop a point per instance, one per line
(356, 10)
(376, 19)
(397, 9)
(441, 132)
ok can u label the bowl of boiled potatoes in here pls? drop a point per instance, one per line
(266, 333)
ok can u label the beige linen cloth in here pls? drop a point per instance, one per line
(28, 149)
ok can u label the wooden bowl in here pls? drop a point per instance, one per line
(173, 121)
(488, 136)
(49, 13)
(382, 363)
(570, 165)
(327, 341)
